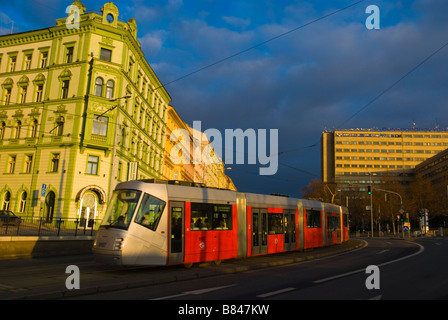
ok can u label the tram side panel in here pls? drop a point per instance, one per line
(207, 236)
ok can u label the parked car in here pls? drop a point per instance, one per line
(8, 217)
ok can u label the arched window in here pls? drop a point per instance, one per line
(110, 89)
(22, 202)
(6, 200)
(99, 87)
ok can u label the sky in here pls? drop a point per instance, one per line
(299, 67)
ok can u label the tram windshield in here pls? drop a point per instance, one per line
(121, 209)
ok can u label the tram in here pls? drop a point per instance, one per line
(151, 222)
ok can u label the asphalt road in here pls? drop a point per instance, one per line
(405, 270)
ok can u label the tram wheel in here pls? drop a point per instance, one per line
(188, 265)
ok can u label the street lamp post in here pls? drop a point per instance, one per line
(371, 203)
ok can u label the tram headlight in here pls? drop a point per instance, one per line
(118, 244)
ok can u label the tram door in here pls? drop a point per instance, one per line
(259, 231)
(289, 222)
(177, 238)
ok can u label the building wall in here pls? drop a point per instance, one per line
(92, 154)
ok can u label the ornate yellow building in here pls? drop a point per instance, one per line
(81, 110)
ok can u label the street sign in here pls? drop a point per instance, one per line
(44, 190)
(406, 226)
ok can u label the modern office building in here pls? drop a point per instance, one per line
(80, 110)
(356, 156)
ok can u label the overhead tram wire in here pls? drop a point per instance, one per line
(259, 44)
(368, 104)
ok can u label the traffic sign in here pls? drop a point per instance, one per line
(406, 226)
(44, 190)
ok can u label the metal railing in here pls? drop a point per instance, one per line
(40, 226)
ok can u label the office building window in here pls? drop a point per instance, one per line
(100, 124)
(92, 165)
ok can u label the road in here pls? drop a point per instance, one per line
(406, 270)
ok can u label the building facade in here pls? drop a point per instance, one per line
(355, 157)
(80, 110)
(193, 158)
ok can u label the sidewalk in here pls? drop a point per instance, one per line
(45, 278)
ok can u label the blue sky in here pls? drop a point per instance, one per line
(309, 80)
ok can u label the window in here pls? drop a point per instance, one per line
(54, 162)
(100, 125)
(121, 209)
(99, 87)
(7, 96)
(12, 64)
(59, 126)
(12, 164)
(43, 61)
(106, 55)
(313, 219)
(17, 129)
(22, 203)
(28, 163)
(2, 130)
(92, 164)
(23, 95)
(206, 216)
(39, 92)
(69, 55)
(149, 212)
(110, 89)
(275, 223)
(28, 58)
(6, 200)
(65, 85)
(33, 132)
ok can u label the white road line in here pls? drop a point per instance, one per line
(194, 292)
(273, 293)
(380, 265)
(382, 251)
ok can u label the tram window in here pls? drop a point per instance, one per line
(205, 216)
(149, 212)
(275, 223)
(121, 209)
(313, 219)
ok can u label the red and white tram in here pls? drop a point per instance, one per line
(152, 223)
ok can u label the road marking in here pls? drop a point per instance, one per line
(382, 251)
(380, 265)
(265, 295)
(194, 292)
